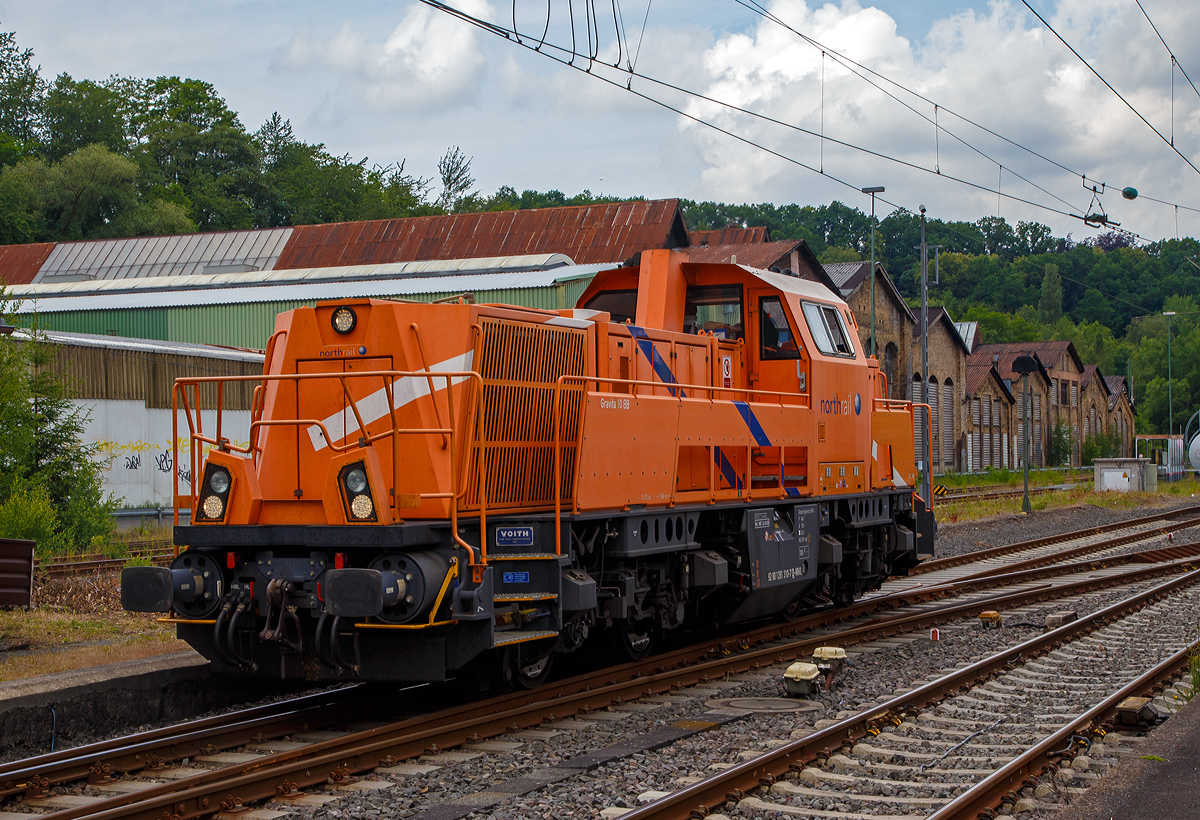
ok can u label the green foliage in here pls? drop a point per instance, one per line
(833, 255)
(29, 514)
(50, 486)
(1101, 445)
(1058, 449)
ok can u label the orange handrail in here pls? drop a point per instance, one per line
(389, 377)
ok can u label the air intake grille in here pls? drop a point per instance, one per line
(520, 363)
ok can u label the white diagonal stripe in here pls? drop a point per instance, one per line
(374, 407)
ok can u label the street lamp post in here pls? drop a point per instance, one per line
(1170, 392)
(872, 191)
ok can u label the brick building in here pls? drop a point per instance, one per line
(894, 320)
(990, 439)
(1094, 400)
(1121, 412)
(948, 356)
(1002, 356)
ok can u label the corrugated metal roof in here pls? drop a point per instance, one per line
(847, 275)
(152, 256)
(587, 233)
(968, 332)
(760, 255)
(144, 346)
(311, 291)
(19, 264)
(397, 270)
(732, 235)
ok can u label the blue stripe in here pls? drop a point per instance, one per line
(792, 491)
(760, 435)
(726, 468)
(661, 368)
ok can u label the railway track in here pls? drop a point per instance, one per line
(283, 750)
(1004, 491)
(66, 566)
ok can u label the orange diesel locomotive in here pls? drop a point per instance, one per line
(427, 486)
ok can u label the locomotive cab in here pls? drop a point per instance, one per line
(426, 486)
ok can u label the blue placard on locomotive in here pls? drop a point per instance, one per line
(516, 577)
(514, 536)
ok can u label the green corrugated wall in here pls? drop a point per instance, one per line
(250, 325)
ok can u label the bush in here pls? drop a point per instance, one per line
(1101, 445)
(50, 482)
(1058, 453)
(29, 514)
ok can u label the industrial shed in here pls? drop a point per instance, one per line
(239, 309)
(125, 387)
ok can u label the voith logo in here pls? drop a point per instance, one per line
(839, 407)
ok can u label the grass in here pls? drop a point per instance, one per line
(973, 510)
(1012, 478)
(77, 623)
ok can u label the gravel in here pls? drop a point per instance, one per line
(1001, 530)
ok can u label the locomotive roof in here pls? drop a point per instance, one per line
(804, 288)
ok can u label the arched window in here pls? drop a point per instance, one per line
(890, 356)
(948, 437)
(934, 455)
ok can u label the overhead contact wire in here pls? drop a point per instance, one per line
(1128, 104)
(983, 188)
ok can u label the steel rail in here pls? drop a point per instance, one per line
(144, 749)
(1000, 785)
(151, 749)
(993, 552)
(335, 760)
(1088, 549)
(731, 785)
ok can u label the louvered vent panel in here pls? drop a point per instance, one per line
(520, 363)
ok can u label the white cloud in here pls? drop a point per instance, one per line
(1000, 68)
(430, 60)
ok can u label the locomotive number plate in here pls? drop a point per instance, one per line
(514, 536)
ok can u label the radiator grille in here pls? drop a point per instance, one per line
(520, 363)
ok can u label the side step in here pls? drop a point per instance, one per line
(509, 638)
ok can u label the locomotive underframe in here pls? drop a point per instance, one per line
(635, 573)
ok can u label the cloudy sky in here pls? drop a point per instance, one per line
(401, 81)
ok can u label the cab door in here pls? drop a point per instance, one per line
(777, 358)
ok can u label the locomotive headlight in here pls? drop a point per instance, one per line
(214, 493)
(344, 320)
(213, 507)
(362, 507)
(356, 481)
(218, 482)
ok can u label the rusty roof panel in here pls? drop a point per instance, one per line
(586, 233)
(732, 235)
(19, 264)
(757, 254)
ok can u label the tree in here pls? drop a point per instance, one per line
(22, 92)
(80, 196)
(1058, 450)
(1051, 304)
(50, 484)
(455, 170)
(78, 114)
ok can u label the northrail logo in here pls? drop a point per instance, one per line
(342, 352)
(838, 407)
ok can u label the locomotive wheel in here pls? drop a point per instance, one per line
(635, 642)
(790, 612)
(521, 673)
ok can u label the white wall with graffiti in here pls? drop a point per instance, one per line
(134, 446)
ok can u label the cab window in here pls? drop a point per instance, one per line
(717, 309)
(622, 304)
(828, 330)
(778, 341)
